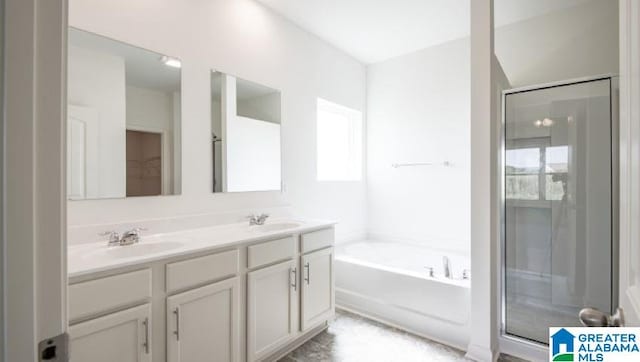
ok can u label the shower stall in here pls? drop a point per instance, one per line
(559, 204)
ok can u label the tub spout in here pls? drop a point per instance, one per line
(447, 267)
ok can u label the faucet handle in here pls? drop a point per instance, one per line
(466, 274)
(430, 270)
(134, 231)
(256, 219)
(114, 237)
(132, 236)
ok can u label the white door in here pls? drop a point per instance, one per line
(203, 324)
(318, 301)
(122, 336)
(629, 286)
(272, 308)
(82, 153)
(34, 309)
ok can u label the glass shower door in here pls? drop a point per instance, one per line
(557, 206)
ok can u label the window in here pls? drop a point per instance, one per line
(523, 167)
(537, 172)
(339, 142)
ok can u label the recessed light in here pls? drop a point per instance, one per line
(547, 122)
(171, 62)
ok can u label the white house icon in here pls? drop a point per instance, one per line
(562, 342)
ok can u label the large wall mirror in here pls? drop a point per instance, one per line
(124, 116)
(245, 139)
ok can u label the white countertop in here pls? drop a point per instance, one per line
(89, 258)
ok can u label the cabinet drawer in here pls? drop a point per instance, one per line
(197, 271)
(271, 252)
(317, 240)
(107, 294)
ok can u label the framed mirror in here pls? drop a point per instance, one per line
(245, 137)
(124, 120)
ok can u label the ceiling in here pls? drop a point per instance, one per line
(375, 30)
(143, 68)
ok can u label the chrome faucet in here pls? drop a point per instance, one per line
(466, 274)
(430, 271)
(447, 267)
(114, 237)
(131, 237)
(257, 219)
(128, 237)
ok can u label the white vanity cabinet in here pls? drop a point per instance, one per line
(318, 302)
(203, 323)
(123, 336)
(272, 308)
(291, 297)
(251, 301)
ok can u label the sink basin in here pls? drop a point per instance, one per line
(140, 249)
(276, 226)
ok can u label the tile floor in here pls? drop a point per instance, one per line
(351, 338)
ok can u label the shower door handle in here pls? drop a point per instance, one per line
(591, 317)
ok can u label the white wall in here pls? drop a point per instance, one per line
(97, 81)
(418, 111)
(244, 39)
(571, 43)
(265, 108)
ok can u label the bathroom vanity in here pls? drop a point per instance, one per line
(224, 293)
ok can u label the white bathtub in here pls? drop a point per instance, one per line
(390, 282)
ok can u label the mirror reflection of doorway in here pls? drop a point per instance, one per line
(144, 163)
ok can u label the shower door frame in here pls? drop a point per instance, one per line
(520, 345)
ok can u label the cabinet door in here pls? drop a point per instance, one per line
(203, 324)
(272, 308)
(122, 336)
(318, 301)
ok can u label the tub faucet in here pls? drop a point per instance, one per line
(447, 267)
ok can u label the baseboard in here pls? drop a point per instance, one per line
(481, 353)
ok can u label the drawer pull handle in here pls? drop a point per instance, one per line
(308, 277)
(177, 331)
(294, 271)
(145, 323)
